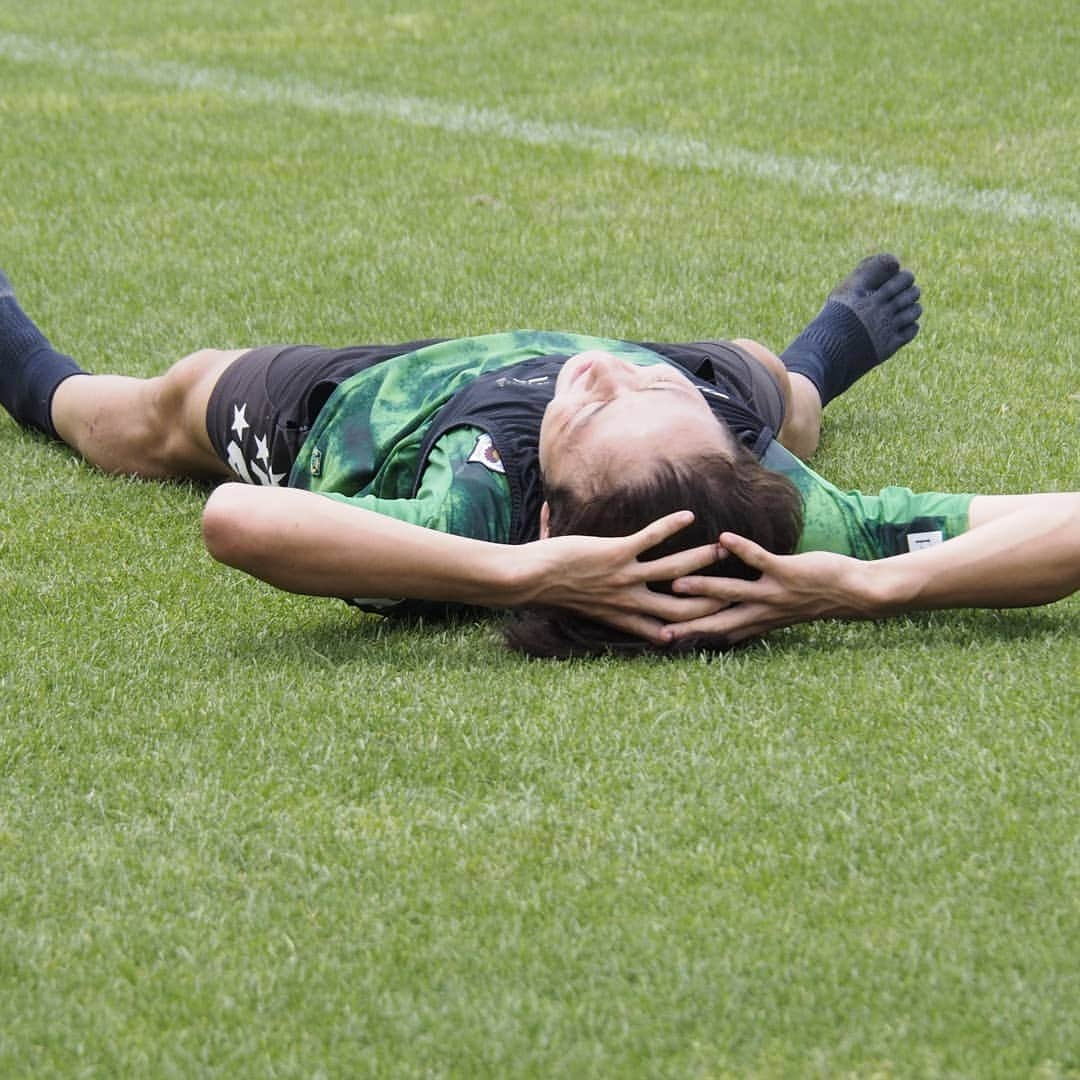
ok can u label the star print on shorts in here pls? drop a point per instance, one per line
(250, 470)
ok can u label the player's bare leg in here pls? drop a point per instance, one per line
(146, 427)
(154, 427)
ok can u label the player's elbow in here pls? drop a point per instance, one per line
(1071, 529)
(228, 526)
(1060, 547)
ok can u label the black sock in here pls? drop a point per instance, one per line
(867, 317)
(30, 368)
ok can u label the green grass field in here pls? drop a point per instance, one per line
(249, 834)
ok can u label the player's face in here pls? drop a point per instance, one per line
(610, 418)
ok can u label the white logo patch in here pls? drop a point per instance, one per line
(484, 452)
(918, 541)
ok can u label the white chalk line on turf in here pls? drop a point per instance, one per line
(906, 186)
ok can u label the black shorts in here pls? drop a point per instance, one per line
(265, 402)
(262, 408)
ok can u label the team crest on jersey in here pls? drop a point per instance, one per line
(485, 453)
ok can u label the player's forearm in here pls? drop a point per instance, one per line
(1022, 551)
(308, 544)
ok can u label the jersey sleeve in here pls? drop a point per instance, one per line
(462, 491)
(894, 521)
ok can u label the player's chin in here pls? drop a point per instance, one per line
(572, 370)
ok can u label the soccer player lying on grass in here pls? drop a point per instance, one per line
(584, 479)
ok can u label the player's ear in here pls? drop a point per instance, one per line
(545, 519)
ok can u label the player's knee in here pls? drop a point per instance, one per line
(175, 410)
(183, 379)
(767, 358)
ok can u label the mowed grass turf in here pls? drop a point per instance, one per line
(249, 834)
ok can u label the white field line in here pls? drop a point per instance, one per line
(909, 186)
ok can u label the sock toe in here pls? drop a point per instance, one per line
(869, 276)
(909, 315)
(899, 282)
(907, 299)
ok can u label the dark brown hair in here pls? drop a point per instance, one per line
(728, 492)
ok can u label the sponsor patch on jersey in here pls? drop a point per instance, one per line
(918, 541)
(509, 380)
(484, 452)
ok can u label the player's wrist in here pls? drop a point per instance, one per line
(885, 587)
(519, 575)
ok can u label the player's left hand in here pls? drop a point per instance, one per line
(603, 579)
(791, 589)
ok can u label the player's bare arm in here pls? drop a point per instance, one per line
(305, 543)
(1021, 551)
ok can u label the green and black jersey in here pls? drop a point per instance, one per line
(365, 449)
